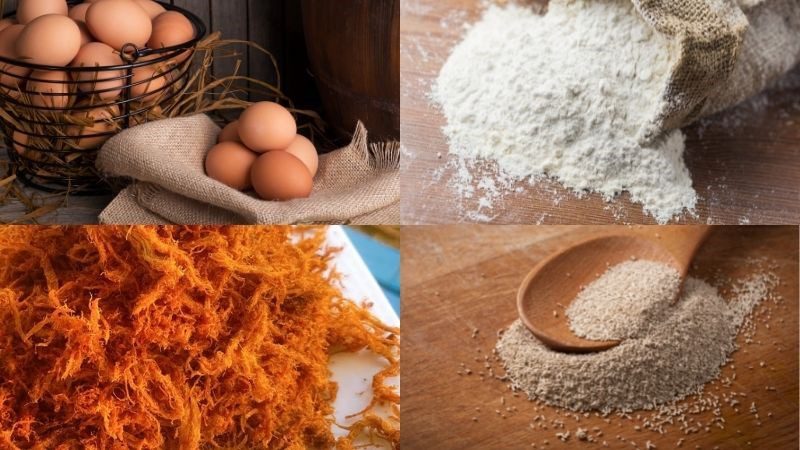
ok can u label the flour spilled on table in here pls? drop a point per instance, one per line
(566, 95)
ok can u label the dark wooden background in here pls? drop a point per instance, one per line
(273, 24)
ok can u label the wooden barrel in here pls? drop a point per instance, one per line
(354, 51)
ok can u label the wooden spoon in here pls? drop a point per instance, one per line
(552, 285)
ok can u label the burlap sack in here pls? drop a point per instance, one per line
(358, 184)
(727, 51)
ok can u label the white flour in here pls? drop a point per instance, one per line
(565, 95)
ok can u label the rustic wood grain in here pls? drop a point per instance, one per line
(260, 66)
(745, 172)
(457, 277)
(9, 5)
(357, 67)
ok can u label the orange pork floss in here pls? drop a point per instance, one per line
(180, 338)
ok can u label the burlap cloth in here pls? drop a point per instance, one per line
(726, 51)
(358, 184)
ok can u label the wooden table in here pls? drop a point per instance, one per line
(458, 277)
(744, 163)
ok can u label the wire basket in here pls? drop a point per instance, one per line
(52, 138)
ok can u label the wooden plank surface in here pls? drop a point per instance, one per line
(271, 37)
(9, 5)
(457, 277)
(744, 163)
(230, 17)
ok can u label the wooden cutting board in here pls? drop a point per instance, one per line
(456, 278)
(744, 162)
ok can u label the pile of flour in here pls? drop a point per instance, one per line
(682, 347)
(567, 95)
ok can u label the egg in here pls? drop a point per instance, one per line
(119, 22)
(5, 23)
(230, 133)
(86, 36)
(78, 12)
(13, 74)
(51, 40)
(152, 8)
(103, 123)
(148, 80)
(267, 126)
(305, 151)
(230, 163)
(169, 29)
(49, 82)
(28, 10)
(279, 175)
(98, 54)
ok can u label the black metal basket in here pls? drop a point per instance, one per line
(52, 151)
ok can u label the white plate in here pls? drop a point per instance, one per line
(353, 372)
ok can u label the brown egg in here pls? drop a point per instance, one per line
(169, 29)
(27, 10)
(103, 123)
(98, 54)
(148, 80)
(13, 74)
(78, 12)
(152, 8)
(230, 133)
(119, 22)
(305, 151)
(278, 175)
(5, 23)
(267, 126)
(230, 163)
(86, 36)
(49, 82)
(51, 40)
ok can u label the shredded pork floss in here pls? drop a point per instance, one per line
(179, 338)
